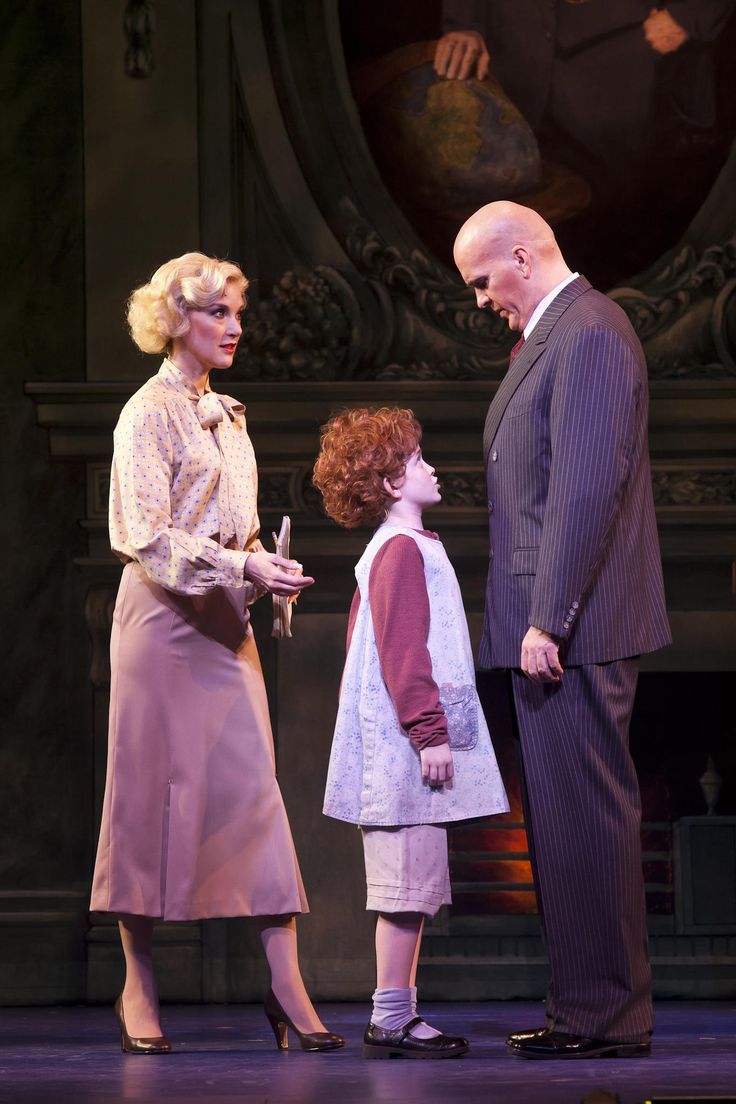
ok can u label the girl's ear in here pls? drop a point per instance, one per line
(393, 492)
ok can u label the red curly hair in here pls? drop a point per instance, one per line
(360, 448)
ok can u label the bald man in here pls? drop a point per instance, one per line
(574, 596)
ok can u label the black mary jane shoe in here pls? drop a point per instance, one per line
(380, 1043)
(308, 1040)
(559, 1044)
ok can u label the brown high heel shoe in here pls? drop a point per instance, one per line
(309, 1040)
(128, 1045)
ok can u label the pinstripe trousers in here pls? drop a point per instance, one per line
(583, 812)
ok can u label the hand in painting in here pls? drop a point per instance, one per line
(663, 33)
(458, 52)
(540, 659)
(436, 764)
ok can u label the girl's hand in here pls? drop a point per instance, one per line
(436, 764)
(275, 574)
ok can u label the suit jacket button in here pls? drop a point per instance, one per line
(576, 605)
(494, 456)
(490, 507)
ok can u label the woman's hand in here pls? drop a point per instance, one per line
(436, 764)
(275, 574)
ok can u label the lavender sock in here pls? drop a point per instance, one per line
(394, 1008)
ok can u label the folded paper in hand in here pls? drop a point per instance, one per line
(282, 607)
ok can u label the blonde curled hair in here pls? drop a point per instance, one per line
(159, 310)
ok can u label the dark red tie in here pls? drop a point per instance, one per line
(516, 350)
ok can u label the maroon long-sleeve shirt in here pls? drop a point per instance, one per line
(397, 590)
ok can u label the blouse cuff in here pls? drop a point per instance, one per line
(232, 564)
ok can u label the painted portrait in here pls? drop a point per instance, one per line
(587, 111)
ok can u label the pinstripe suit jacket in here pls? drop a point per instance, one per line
(573, 536)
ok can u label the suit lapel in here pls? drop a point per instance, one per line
(527, 357)
(529, 354)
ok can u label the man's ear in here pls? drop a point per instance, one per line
(393, 492)
(522, 260)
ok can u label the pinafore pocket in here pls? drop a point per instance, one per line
(461, 709)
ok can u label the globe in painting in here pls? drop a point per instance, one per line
(445, 147)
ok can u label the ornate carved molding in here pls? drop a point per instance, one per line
(402, 317)
(301, 330)
(683, 278)
(464, 490)
(275, 489)
(685, 315)
(287, 490)
(694, 488)
(426, 285)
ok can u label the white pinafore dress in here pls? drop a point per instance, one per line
(374, 777)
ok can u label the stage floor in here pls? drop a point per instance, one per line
(227, 1053)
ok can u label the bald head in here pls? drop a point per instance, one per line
(510, 256)
(505, 223)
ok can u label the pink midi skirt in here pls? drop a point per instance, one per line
(193, 823)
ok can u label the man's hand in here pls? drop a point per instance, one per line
(540, 657)
(275, 574)
(436, 764)
(457, 52)
(663, 33)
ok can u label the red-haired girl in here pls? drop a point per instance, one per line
(411, 750)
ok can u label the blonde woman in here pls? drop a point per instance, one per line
(193, 824)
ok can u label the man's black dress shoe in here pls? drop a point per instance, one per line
(546, 1043)
(379, 1043)
(516, 1038)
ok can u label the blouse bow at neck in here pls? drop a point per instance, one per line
(211, 407)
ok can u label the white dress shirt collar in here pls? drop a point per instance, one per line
(544, 303)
